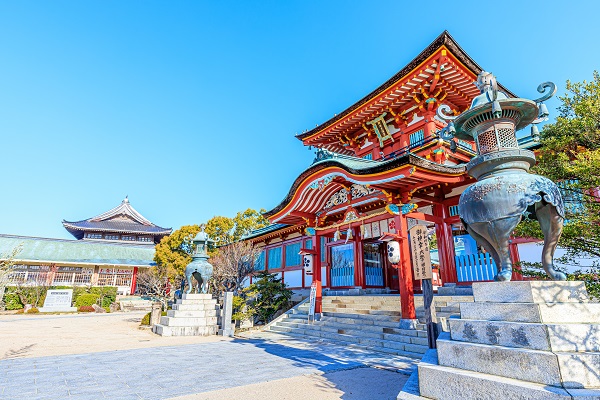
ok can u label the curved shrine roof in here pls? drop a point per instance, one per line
(322, 179)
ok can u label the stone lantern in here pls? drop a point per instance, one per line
(505, 191)
(200, 268)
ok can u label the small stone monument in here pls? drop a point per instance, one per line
(58, 300)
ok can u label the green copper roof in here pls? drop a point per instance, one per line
(85, 252)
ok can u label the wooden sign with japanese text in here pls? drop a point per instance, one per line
(421, 259)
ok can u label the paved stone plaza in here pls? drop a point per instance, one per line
(180, 370)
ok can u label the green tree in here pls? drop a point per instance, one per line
(267, 295)
(570, 156)
(174, 252)
(225, 230)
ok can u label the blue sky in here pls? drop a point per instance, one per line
(191, 107)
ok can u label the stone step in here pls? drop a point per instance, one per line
(373, 331)
(197, 296)
(440, 382)
(194, 307)
(387, 346)
(571, 370)
(171, 321)
(207, 303)
(191, 313)
(535, 336)
(530, 292)
(362, 311)
(365, 316)
(390, 307)
(530, 312)
(185, 330)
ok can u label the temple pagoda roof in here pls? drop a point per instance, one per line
(442, 68)
(121, 219)
(77, 252)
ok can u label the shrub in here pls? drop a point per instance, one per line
(34, 295)
(86, 299)
(108, 294)
(12, 301)
(33, 310)
(146, 319)
(20, 311)
(85, 309)
(267, 295)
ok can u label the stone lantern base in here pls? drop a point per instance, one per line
(193, 315)
(517, 340)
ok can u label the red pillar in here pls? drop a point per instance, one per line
(134, 280)
(515, 259)
(407, 296)
(317, 273)
(445, 242)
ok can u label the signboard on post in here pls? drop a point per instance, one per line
(421, 259)
(312, 301)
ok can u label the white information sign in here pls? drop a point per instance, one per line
(58, 300)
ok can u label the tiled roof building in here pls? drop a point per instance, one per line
(120, 223)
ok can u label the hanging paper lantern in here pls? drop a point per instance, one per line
(308, 264)
(393, 252)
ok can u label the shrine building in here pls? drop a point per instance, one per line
(381, 167)
(109, 250)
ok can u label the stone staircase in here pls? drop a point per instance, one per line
(372, 322)
(193, 315)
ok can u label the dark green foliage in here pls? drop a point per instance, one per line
(570, 156)
(86, 299)
(267, 295)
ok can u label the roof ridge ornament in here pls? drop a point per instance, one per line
(323, 154)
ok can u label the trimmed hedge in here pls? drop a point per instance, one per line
(108, 294)
(86, 299)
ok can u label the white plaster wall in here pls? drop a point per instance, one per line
(532, 252)
(307, 280)
(293, 278)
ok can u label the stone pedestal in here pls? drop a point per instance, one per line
(193, 315)
(517, 340)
